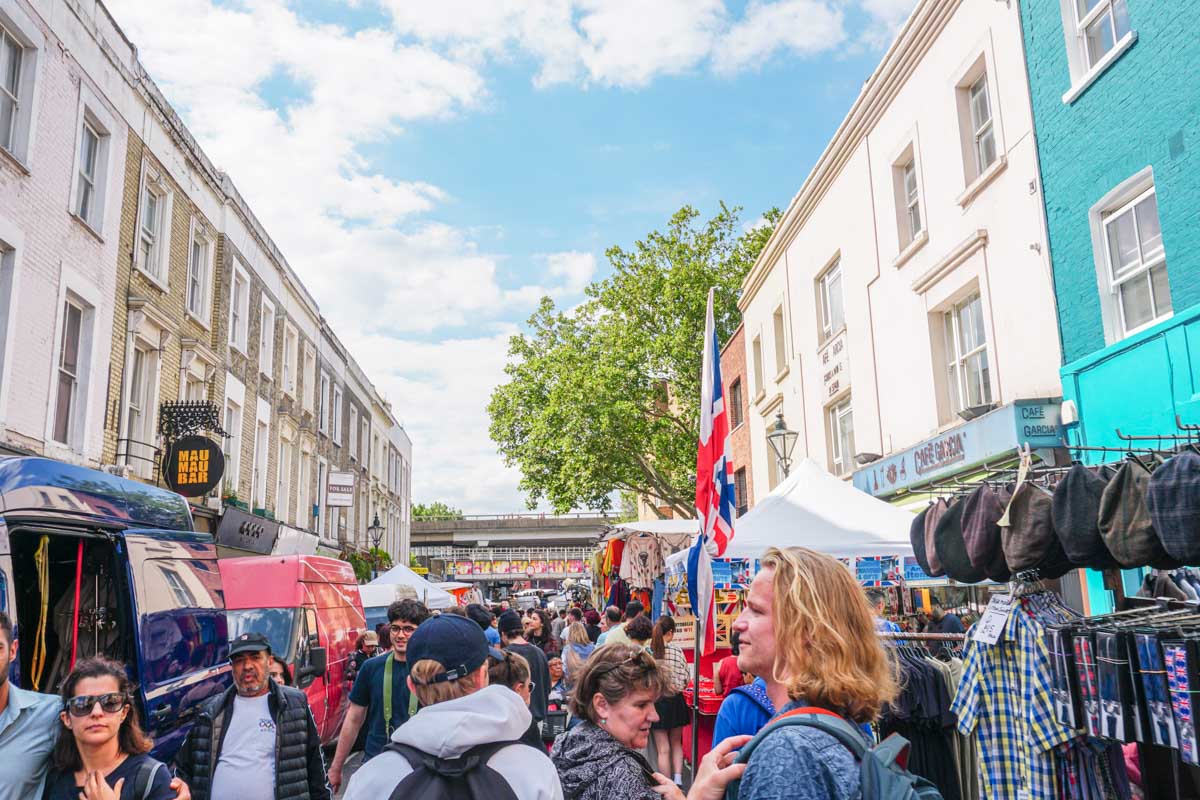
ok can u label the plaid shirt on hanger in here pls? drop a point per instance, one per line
(1005, 698)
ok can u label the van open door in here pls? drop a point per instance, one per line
(180, 629)
(311, 668)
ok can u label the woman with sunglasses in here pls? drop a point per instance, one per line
(101, 749)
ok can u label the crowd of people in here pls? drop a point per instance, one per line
(465, 696)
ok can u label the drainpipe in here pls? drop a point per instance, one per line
(122, 417)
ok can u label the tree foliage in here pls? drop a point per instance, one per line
(605, 397)
(435, 510)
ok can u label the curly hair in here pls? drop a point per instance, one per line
(828, 652)
(131, 739)
(639, 629)
(615, 671)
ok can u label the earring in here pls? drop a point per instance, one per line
(604, 720)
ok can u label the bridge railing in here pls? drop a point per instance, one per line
(525, 520)
(449, 553)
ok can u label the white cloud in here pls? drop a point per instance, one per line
(886, 18)
(575, 268)
(803, 27)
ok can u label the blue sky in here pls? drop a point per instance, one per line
(430, 168)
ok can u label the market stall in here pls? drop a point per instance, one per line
(426, 592)
(630, 561)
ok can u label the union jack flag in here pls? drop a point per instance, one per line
(715, 501)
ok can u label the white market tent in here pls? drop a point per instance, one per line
(427, 593)
(813, 509)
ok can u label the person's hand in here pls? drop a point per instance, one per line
(334, 774)
(717, 770)
(181, 790)
(96, 788)
(667, 788)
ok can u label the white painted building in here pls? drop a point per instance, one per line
(907, 287)
(62, 157)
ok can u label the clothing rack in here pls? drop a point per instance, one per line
(924, 637)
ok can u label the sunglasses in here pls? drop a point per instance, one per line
(82, 705)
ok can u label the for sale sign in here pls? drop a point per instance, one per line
(339, 491)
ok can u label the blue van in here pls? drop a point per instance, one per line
(93, 564)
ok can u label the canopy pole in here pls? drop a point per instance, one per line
(696, 651)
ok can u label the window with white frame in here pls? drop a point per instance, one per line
(322, 477)
(258, 486)
(1136, 263)
(304, 515)
(908, 198)
(756, 350)
(68, 374)
(200, 271)
(8, 266)
(323, 405)
(140, 416)
(21, 45)
(780, 331)
(310, 390)
(1099, 26)
(233, 444)
(291, 342)
(335, 421)
(194, 390)
(829, 301)
(354, 433)
(840, 425)
(364, 442)
(266, 339)
(982, 130)
(89, 172)
(283, 488)
(968, 377)
(239, 309)
(154, 245)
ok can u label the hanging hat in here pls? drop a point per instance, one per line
(916, 534)
(952, 550)
(1076, 513)
(1173, 499)
(982, 510)
(932, 518)
(1029, 541)
(1125, 522)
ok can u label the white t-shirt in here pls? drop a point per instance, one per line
(246, 769)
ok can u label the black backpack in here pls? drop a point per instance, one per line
(467, 777)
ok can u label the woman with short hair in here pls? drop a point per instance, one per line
(671, 707)
(101, 749)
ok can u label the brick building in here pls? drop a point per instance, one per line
(733, 373)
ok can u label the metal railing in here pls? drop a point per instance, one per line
(446, 553)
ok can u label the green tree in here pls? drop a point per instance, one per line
(436, 510)
(605, 397)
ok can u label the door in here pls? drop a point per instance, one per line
(7, 596)
(180, 629)
(315, 685)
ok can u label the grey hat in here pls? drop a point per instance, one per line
(1029, 540)
(1125, 522)
(916, 535)
(932, 517)
(1173, 499)
(1076, 514)
(952, 550)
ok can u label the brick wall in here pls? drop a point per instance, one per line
(734, 376)
(1144, 110)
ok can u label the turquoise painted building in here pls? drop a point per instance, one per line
(1116, 106)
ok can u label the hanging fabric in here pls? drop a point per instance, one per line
(41, 559)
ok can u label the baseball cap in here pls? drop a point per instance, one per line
(370, 637)
(510, 622)
(250, 642)
(455, 642)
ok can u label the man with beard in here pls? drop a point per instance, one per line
(254, 737)
(29, 726)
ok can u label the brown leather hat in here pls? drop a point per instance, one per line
(1029, 540)
(952, 550)
(982, 510)
(1125, 522)
(1076, 513)
(932, 517)
(916, 534)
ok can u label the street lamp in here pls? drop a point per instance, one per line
(375, 533)
(782, 443)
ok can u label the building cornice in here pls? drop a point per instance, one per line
(915, 39)
(961, 252)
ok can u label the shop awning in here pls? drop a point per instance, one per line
(813, 509)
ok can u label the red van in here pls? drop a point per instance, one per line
(310, 610)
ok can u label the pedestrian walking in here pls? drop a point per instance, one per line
(29, 727)
(465, 727)
(591, 618)
(513, 639)
(560, 622)
(558, 683)
(366, 647)
(537, 632)
(255, 741)
(486, 620)
(512, 670)
(618, 634)
(639, 630)
(101, 753)
(380, 698)
(809, 631)
(579, 649)
(279, 671)
(671, 708)
(574, 616)
(610, 620)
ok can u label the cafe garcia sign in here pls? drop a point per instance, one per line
(995, 434)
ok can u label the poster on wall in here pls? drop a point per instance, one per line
(575, 566)
(500, 567)
(464, 567)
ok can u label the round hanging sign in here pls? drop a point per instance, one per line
(193, 466)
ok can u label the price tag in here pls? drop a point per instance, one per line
(994, 618)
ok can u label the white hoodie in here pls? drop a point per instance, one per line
(449, 729)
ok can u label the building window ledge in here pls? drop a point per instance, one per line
(198, 321)
(911, 249)
(155, 282)
(87, 226)
(765, 407)
(1088, 78)
(759, 395)
(17, 163)
(783, 373)
(985, 178)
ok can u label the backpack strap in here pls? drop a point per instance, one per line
(143, 780)
(469, 762)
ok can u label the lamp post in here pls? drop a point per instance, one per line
(783, 442)
(375, 533)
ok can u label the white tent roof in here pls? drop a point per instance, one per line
(660, 526)
(427, 593)
(813, 509)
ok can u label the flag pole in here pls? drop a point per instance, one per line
(697, 648)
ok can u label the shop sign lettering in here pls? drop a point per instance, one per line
(835, 367)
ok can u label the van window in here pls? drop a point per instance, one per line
(180, 607)
(277, 624)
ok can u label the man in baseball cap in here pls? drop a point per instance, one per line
(462, 721)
